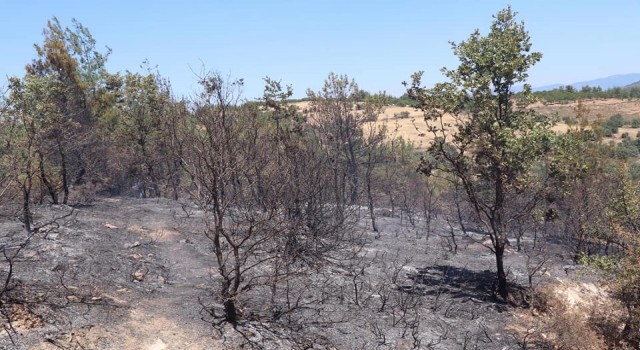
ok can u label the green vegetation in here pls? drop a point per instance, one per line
(496, 140)
(611, 126)
(568, 93)
(404, 101)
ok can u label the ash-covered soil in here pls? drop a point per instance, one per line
(128, 273)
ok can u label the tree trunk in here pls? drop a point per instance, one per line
(503, 289)
(370, 196)
(26, 213)
(339, 195)
(230, 311)
(353, 174)
(63, 170)
(45, 181)
(65, 180)
(374, 226)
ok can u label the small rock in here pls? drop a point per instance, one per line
(535, 312)
(185, 241)
(135, 256)
(158, 345)
(73, 299)
(111, 226)
(134, 244)
(138, 276)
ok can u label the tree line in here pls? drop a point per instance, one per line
(569, 93)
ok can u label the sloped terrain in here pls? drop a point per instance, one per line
(407, 122)
(128, 273)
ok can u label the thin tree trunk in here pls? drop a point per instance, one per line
(45, 181)
(503, 289)
(370, 195)
(65, 180)
(339, 195)
(500, 236)
(371, 206)
(229, 303)
(26, 212)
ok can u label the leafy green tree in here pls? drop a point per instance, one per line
(138, 133)
(21, 137)
(483, 134)
(56, 94)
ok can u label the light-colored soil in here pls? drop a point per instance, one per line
(413, 127)
(599, 109)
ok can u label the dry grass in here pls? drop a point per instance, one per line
(600, 109)
(413, 128)
(560, 318)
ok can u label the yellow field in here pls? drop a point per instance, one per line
(413, 127)
(598, 108)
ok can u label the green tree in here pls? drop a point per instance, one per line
(483, 135)
(21, 137)
(56, 94)
(139, 134)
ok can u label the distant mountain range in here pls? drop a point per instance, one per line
(620, 80)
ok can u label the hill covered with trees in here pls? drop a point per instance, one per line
(314, 227)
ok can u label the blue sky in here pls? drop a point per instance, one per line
(378, 43)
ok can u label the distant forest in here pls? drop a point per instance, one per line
(562, 94)
(569, 93)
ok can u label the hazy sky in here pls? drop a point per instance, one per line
(378, 43)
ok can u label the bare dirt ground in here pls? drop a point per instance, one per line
(128, 273)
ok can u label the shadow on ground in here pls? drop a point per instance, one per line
(458, 282)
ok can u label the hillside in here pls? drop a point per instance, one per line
(633, 85)
(407, 122)
(599, 108)
(132, 217)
